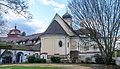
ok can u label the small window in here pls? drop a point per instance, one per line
(31, 42)
(25, 54)
(86, 48)
(68, 44)
(60, 43)
(95, 47)
(23, 42)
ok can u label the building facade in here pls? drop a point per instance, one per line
(59, 39)
(21, 48)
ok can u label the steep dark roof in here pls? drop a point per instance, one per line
(82, 31)
(29, 37)
(27, 46)
(86, 32)
(34, 36)
(66, 15)
(36, 47)
(9, 39)
(70, 27)
(55, 28)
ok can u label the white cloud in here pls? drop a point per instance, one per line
(46, 2)
(29, 26)
(57, 6)
(38, 25)
(31, 2)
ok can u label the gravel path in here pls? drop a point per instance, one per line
(66, 66)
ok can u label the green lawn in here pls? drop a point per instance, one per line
(25, 67)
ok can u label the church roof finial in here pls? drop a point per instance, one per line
(67, 15)
(15, 26)
(66, 9)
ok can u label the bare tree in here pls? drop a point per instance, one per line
(99, 16)
(6, 7)
(18, 7)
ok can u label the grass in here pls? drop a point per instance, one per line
(25, 67)
(85, 65)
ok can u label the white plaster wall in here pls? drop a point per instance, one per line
(89, 44)
(118, 44)
(43, 56)
(50, 44)
(74, 44)
(117, 61)
(27, 53)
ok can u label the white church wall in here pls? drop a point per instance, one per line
(50, 45)
(68, 44)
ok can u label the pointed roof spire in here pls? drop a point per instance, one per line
(66, 9)
(66, 15)
(15, 26)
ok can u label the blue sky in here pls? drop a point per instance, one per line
(43, 11)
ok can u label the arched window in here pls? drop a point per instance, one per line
(60, 43)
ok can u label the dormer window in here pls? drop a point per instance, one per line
(30, 41)
(34, 41)
(17, 43)
(23, 42)
(60, 43)
(20, 43)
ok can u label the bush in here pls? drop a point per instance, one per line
(88, 60)
(55, 59)
(82, 61)
(37, 60)
(43, 60)
(99, 59)
(31, 59)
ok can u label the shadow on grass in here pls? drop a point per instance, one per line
(101, 66)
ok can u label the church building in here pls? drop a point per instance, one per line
(59, 39)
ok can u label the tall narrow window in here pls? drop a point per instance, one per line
(60, 43)
(68, 44)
